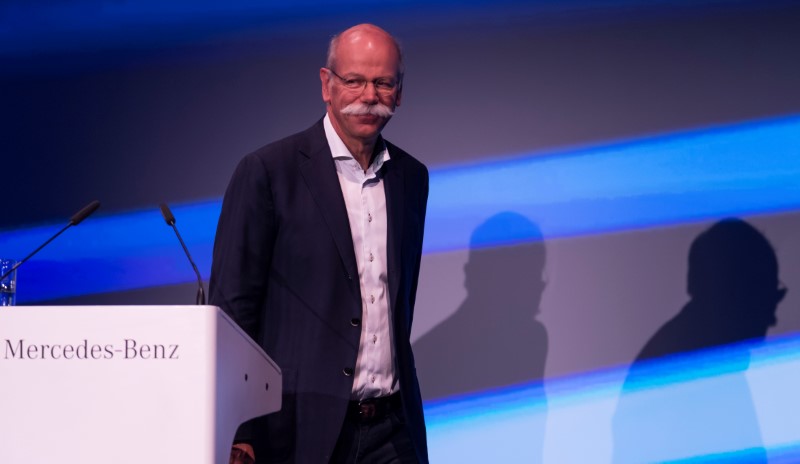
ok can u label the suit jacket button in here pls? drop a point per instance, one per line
(347, 371)
(355, 322)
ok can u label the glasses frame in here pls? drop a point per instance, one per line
(363, 86)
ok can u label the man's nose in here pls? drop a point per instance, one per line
(370, 93)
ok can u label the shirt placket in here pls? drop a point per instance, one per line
(370, 285)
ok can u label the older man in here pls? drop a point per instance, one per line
(317, 257)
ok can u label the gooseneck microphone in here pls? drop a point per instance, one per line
(170, 219)
(76, 219)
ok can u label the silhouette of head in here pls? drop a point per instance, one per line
(733, 274)
(506, 261)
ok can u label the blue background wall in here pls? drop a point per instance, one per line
(577, 149)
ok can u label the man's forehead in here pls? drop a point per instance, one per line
(371, 56)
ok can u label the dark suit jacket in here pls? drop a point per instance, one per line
(284, 268)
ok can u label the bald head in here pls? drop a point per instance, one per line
(365, 36)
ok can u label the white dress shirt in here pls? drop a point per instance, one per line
(365, 199)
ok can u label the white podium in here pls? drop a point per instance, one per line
(127, 384)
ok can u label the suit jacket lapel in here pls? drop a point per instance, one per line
(319, 172)
(395, 209)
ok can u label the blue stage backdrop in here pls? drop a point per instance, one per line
(612, 183)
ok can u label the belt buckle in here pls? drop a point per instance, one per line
(367, 410)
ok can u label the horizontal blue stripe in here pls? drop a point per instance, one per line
(738, 170)
(661, 373)
(113, 253)
(732, 171)
(595, 396)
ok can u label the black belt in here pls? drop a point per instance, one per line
(373, 409)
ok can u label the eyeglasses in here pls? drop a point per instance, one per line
(383, 85)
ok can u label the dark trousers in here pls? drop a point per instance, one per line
(383, 440)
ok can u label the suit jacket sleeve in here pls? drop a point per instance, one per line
(243, 246)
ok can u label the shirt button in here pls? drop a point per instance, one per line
(373, 379)
(369, 217)
(372, 298)
(374, 339)
(371, 258)
(355, 322)
(348, 371)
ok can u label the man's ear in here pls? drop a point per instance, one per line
(325, 81)
(399, 96)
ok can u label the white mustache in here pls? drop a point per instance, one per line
(359, 108)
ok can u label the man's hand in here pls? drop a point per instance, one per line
(242, 453)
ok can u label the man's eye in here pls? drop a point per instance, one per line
(384, 84)
(354, 83)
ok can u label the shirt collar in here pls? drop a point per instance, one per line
(339, 150)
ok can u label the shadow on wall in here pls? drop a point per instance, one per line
(734, 289)
(493, 339)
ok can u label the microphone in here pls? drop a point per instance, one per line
(87, 210)
(76, 219)
(170, 220)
